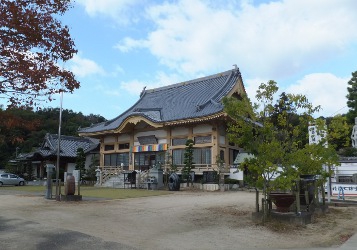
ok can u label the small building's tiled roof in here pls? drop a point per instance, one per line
(187, 100)
(68, 146)
(348, 159)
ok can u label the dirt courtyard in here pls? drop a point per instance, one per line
(182, 220)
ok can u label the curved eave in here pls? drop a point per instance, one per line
(196, 120)
(136, 119)
(127, 122)
(238, 88)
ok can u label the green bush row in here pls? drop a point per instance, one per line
(231, 181)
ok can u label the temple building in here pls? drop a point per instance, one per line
(47, 154)
(162, 120)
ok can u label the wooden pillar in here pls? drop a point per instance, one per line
(215, 143)
(101, 152)
(131, 156)
(190, 132)
(168, 139)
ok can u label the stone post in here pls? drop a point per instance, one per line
(49, 169)
(98, 174)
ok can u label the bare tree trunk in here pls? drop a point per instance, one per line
(264, 203)
(298, 208)
(256, 200)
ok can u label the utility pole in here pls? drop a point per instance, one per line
(58, 198)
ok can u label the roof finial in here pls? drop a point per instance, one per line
(235, 66)
(142, 92)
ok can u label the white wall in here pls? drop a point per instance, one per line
(236, 173)
(71, 167)
(108, 139)
(123, 138)
(157, 133)
(203, 128)
(179, 131)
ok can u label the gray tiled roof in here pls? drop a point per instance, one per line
(193, 99)
(68, 145)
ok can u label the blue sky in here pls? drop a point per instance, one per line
(307, 47)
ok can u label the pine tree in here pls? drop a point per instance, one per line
(188, 161)
(81, 162)
(352, 98)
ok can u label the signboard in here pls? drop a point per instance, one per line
(77, 176)
(348, 189)
(316, 136)
(150, 139)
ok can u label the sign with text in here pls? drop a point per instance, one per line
(348, 189)
(77, 176)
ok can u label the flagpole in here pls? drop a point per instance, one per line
(58, 198)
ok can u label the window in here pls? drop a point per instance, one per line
(116, 159)
(221, 155)
(345, 179)
(108, 147)
(203, 139)
(179, 141)
(202, 155)
(233, 153)
(145, 160)
(124, 146)
(178, 156)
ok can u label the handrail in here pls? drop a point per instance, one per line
(109, 171)
(199, 168)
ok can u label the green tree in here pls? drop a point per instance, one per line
(339, 132)
(91, 172)
(277, 137)
(171, 167)
(81, 162)
(352, 98)
(25, 129)
(188, 161)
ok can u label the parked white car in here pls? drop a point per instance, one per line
(11, 179)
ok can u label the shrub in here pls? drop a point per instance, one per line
(231, 181)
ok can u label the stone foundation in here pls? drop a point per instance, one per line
(71, 197)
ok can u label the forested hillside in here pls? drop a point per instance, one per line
(21, 130)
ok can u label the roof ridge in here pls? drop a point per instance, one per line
(182, 100)
(48, 139)
(145, 91)
(75, 138)
(190, 81)
(211, 99)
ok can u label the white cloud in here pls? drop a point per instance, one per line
(115, 9)
(128, 44)
(251, 87)
(133, 87)
(324, 89)
(161, 79)
(268, 40)
(83, 67)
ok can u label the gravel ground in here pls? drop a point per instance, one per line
(183, 220)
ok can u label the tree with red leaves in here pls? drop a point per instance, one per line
(33, 46)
